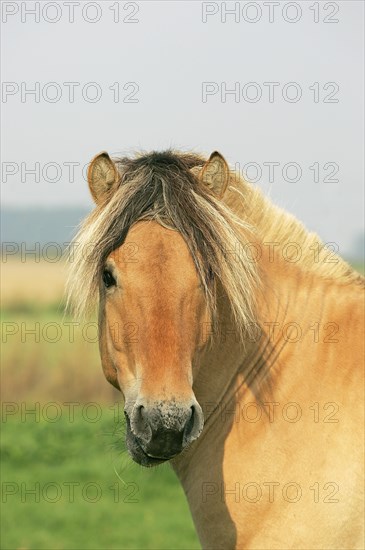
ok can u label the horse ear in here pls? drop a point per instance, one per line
(102, 176)
(215, 174)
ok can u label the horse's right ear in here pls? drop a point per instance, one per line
(102, 177)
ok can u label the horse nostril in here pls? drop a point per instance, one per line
(191, 419)
(139, 415)
(189, 426)
(194, 425)
(140, 424)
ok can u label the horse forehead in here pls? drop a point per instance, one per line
(152, 247)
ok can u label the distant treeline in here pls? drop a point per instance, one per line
(40, 225)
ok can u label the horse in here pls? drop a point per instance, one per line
(235, 337)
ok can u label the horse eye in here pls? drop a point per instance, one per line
(108, 279)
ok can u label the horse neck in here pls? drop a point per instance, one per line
(299, 288)
(230, 364)
(294, 304)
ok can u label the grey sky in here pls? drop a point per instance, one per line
(169, 53)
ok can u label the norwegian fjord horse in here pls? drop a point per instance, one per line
(236, 340)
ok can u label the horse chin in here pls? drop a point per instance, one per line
(137, 453)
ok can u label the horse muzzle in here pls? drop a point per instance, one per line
(158, 431)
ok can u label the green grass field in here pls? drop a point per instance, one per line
(70, 485)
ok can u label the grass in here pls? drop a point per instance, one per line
(31, 282)
(53, 358)
(115, 503)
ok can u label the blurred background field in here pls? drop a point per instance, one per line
(62, 448)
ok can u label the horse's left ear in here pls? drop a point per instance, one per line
(102, 177)
(215, 174)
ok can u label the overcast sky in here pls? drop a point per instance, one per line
(162, 82)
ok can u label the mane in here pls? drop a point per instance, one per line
(273, 224)
(164, 187)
